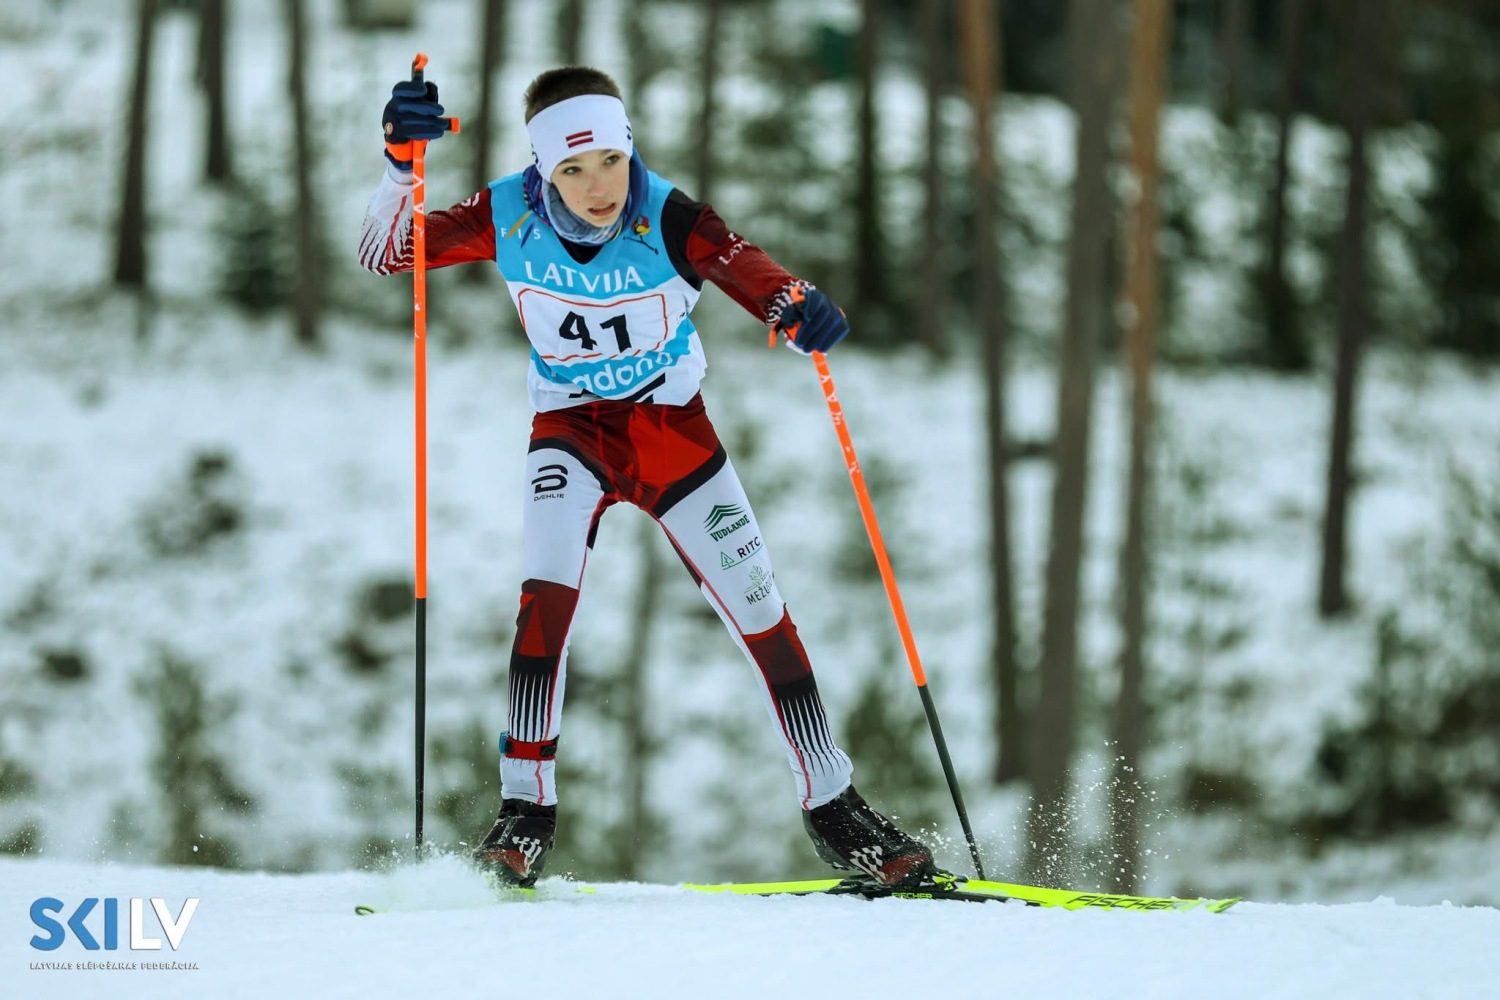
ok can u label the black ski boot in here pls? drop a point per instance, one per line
(515, 852)
(851, 836)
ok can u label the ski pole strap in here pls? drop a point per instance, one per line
(796, 295)
(521, 750)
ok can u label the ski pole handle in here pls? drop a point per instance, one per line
(417, 65)
(798, 296)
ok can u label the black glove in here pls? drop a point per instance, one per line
(412, 113)
(811, 321)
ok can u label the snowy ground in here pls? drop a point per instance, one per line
(99, 432)
(296, 936)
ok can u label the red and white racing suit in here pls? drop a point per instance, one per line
(667, 460)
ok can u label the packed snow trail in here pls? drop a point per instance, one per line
(259, 935)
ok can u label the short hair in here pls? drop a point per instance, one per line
(558, 85)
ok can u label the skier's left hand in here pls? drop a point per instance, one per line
(811, 322)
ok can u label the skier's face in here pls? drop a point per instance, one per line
(594, 184)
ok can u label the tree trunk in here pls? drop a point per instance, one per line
(130, 233)
(1360, 81)
(1233, 28)
(708, 78)
(636, 37)
(1285, 345)
(642, 61)
(1091, 38)
(933, 313)
(570, 32)
(1150, 52)
(869, 276)
(308, 291)
(981, 55)
(492, 39)
(217, 163)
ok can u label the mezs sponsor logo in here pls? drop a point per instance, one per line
(55, 929)
(761, 586)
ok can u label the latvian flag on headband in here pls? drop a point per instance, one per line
(577, 125)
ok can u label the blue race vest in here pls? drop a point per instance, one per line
(614, 328)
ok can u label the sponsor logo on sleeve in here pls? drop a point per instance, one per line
(762, 585)
(724, 520)
(729, 560)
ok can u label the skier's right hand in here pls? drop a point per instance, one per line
(412, 114)
(810, 321)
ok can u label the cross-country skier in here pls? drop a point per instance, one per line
(604, 260)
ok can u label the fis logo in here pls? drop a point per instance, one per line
(55, 930)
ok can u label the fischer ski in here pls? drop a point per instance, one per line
(972, 889)
(951, 888)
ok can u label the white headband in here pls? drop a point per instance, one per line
(593, 121)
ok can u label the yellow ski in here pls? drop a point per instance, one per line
(967, 889)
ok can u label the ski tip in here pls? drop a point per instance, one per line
(361, 910)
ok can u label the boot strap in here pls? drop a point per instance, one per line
(521, 750)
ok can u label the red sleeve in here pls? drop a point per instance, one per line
(743, 270)
(458, 235)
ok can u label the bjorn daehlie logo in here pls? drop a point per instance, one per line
(552, 481)
(724, 512)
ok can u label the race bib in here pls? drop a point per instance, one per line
(568, 333)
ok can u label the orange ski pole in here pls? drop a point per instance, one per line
(888, 577)
(419, 329)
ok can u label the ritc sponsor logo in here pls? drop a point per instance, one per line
(741, 553)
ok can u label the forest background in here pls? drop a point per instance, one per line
(1173, 374)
